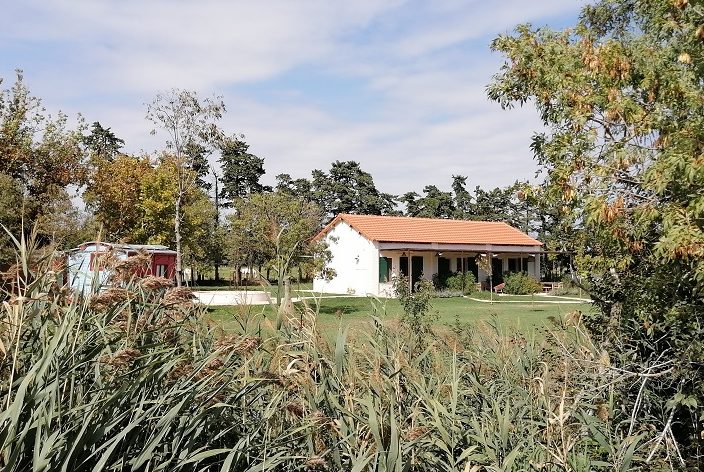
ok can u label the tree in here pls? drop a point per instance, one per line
(300, 188)
(462, 198)
(102, 142)
(621, 97)
(114, 194)
(11, 200)
(349, 189)
(492, 205)
(435, 203)
(410, 200)
(241, 170)
(39, 158)
(191, 125)
(157, 204)
(135, 202)
(276, 228)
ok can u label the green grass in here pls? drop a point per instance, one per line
(356, 311)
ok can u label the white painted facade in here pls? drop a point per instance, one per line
(355, 260)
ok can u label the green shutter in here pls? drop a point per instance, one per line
(383, 269)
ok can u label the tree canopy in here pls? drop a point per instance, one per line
(40, 157)
(621, 95)
(346, 188)
(241, 170)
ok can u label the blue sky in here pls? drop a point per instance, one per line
(397, 85)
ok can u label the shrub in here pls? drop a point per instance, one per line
(417, 316)
(447, 293)
(453, 282)
(521, 283)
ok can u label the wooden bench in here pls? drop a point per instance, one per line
(550, 286)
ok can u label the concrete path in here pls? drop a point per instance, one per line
(250, 297)
(539, 298)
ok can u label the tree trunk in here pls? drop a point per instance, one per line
(217, 227)
(177, 233)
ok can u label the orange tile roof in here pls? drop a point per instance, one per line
(401, 229)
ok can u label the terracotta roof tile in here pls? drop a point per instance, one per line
(429, 230)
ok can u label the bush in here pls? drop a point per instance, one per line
(569, 288)
(452, 282)
(521, 283)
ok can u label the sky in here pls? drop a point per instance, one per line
(396, 85)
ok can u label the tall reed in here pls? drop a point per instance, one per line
(134, 378)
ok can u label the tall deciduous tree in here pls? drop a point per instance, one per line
(191, 124)
(621, 97)
(157, 204)
(277, 228)
(39, 158)
(114, 194)
(135, 202)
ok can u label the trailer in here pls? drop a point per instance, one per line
(87, 270)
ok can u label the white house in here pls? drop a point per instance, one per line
(368, 251)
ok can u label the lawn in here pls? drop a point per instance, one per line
(356, 311)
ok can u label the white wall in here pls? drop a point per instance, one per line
(355, 261)
(81, 277)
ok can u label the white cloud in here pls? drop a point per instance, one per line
(426, 65)
(164, 43)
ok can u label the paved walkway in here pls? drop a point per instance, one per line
(539, 297)
(252, 297)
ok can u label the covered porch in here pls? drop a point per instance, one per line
(417, 262)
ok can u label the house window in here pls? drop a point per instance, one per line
(515, 264)
(468, 264)
(161, 270)
(443, 267)
(384, 269)
(403, 262)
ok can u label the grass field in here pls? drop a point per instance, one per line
(356, 311)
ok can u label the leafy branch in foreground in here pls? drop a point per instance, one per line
(620, 95)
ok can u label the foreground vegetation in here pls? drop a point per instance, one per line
(133, 379)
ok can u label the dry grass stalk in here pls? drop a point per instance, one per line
(178, 295)
(126, 269)
(153, 283)
(108, 298)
